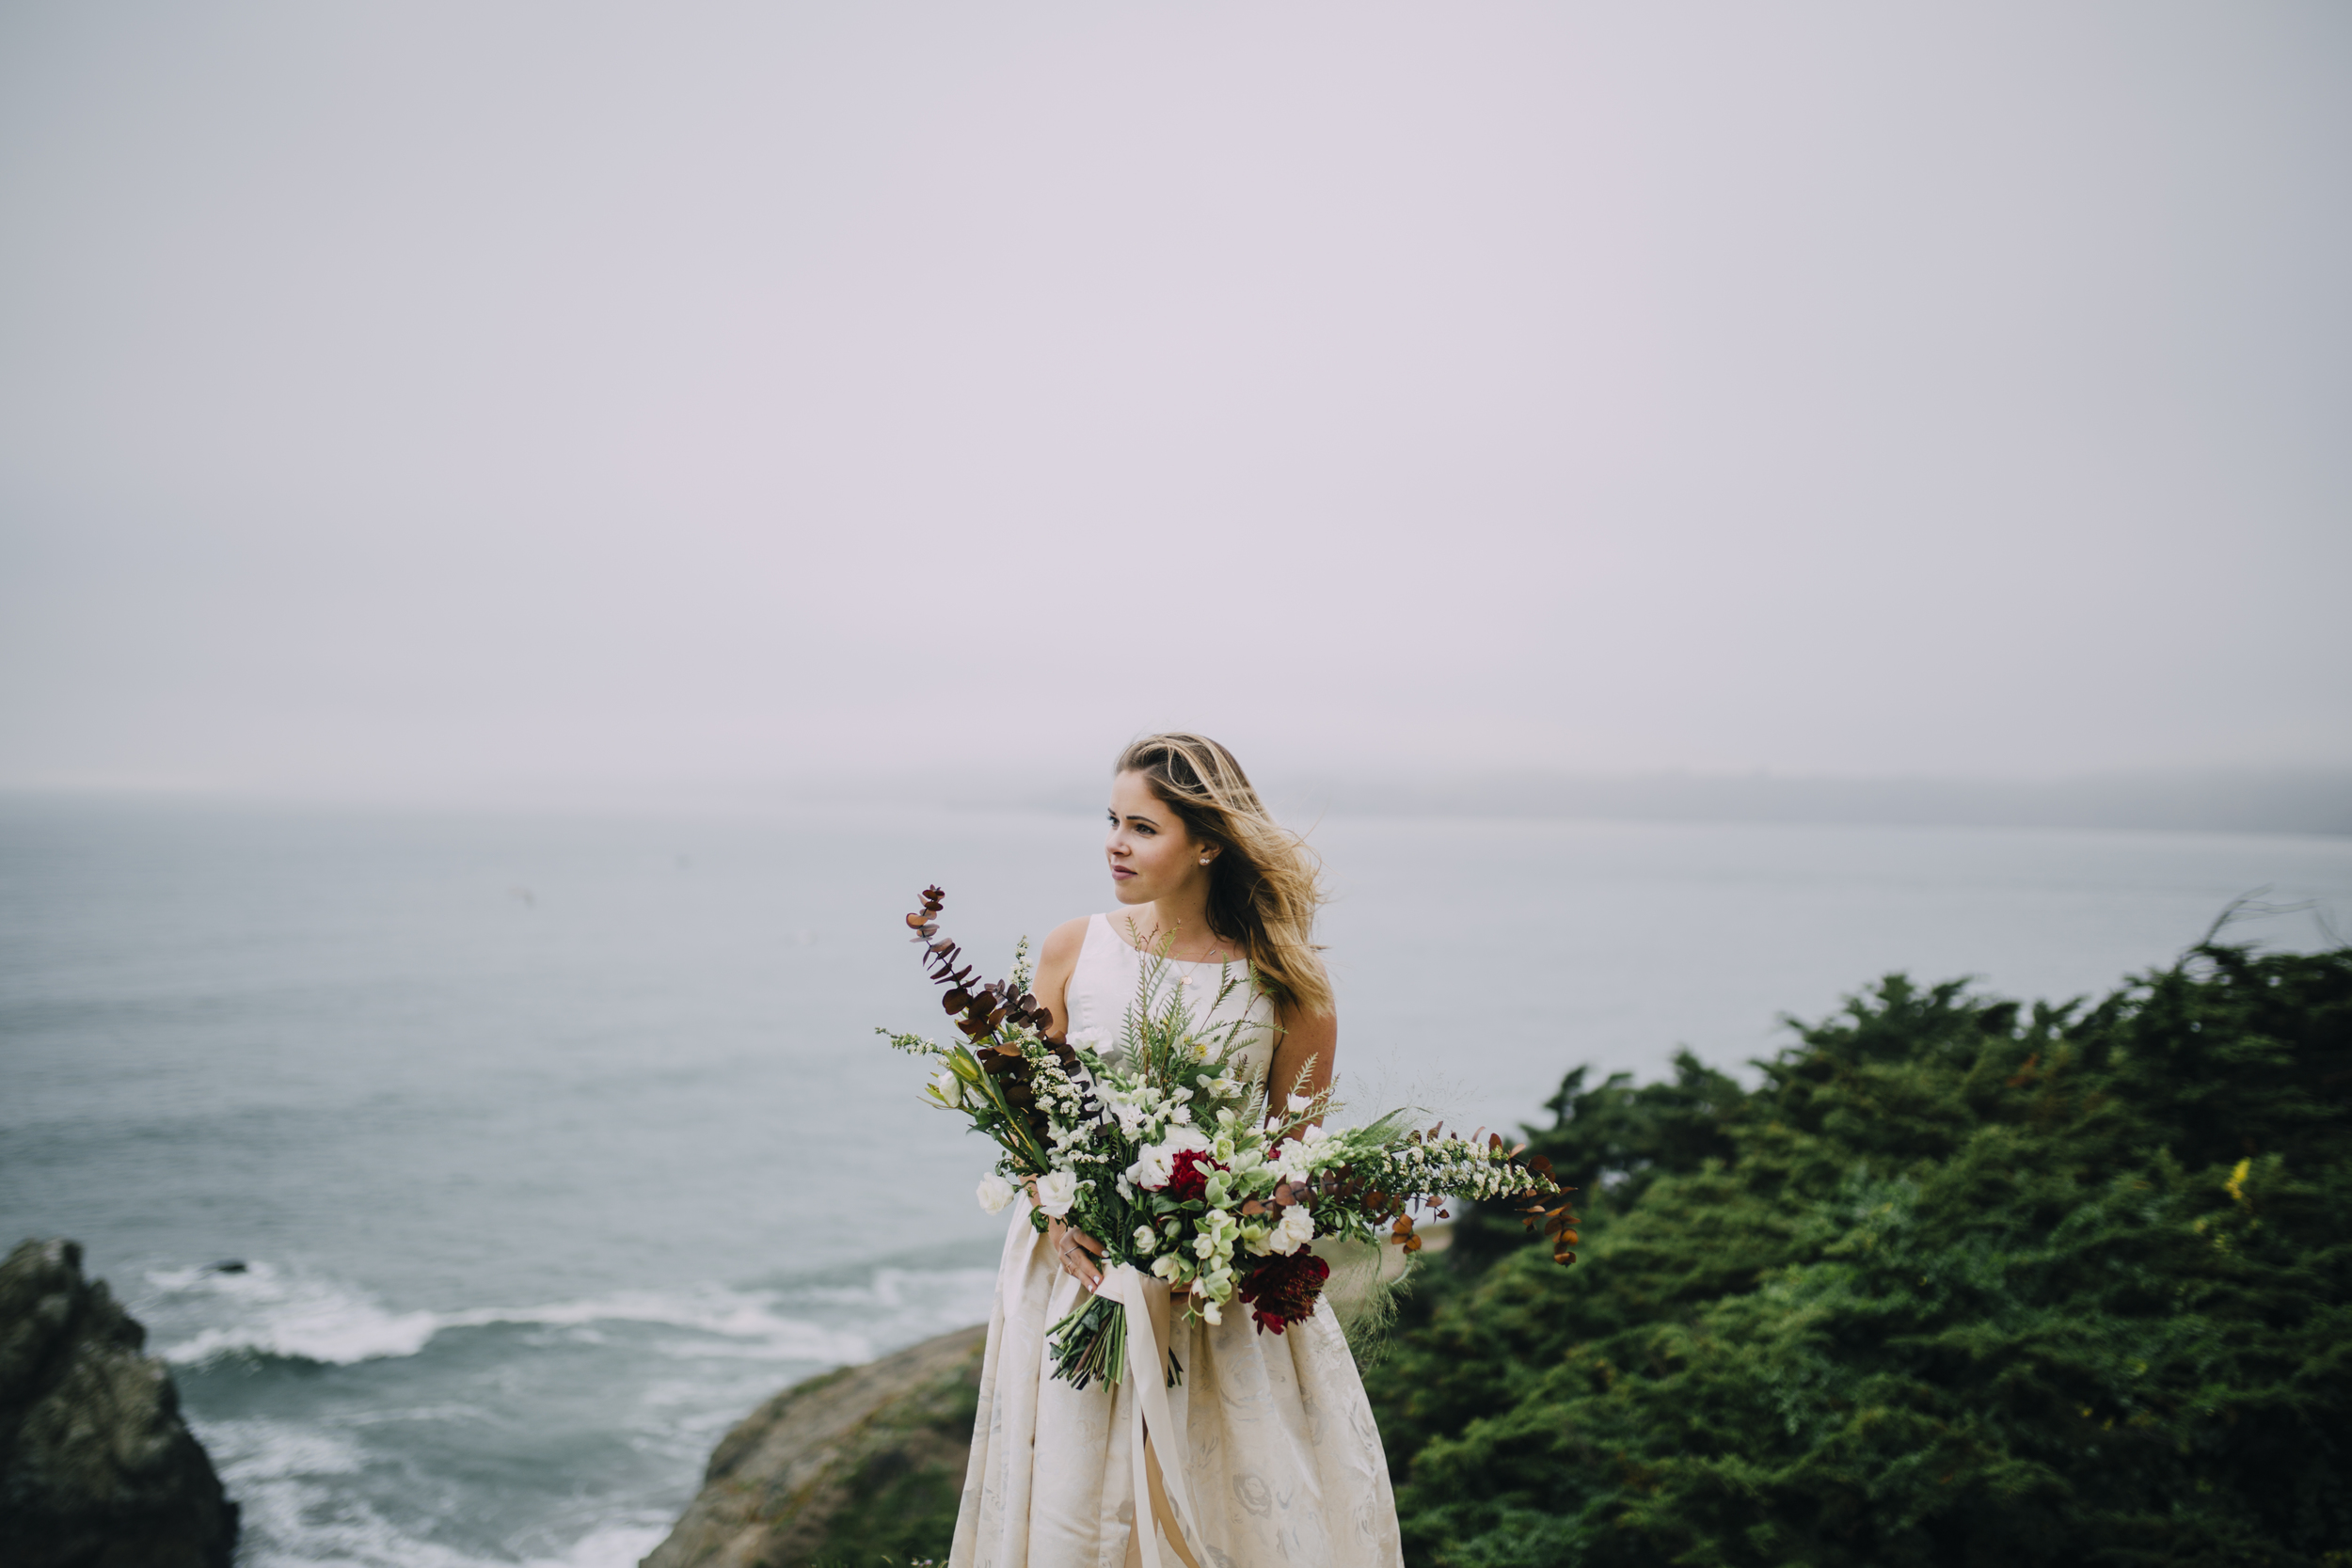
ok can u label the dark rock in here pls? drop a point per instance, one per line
(854, 1467)
(97, 1470)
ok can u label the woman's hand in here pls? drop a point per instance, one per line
(1079, 1253)
(1074, 1249)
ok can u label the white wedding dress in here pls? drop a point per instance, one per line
(1279, 1454)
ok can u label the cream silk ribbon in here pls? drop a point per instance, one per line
(1145, 1301)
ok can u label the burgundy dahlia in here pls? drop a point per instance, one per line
(1189, 1175)
(1282, 1290)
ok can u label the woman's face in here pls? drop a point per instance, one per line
(1152, 855)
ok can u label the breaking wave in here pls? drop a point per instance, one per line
(287, 1313)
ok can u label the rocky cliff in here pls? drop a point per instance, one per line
(847, 1468)
(97, 1470)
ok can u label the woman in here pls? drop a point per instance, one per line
(1280, 1455)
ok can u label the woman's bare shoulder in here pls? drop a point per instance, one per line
(1063, 942)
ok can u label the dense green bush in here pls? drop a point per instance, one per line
(1957, 1284)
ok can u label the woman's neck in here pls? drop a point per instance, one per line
(1183, 927)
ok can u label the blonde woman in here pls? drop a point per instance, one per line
(1280, 1455)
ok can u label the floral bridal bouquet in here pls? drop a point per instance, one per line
(1182, 1168)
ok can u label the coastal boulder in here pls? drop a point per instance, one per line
(97, 1470)
(847, 1468)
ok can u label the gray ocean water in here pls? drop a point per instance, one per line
(553, 1144)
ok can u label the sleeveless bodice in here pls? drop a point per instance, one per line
(1108, 977)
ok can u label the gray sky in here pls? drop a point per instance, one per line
(441, 397)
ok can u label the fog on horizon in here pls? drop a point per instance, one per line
(426, 399)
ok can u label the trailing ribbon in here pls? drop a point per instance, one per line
(1146, 1304)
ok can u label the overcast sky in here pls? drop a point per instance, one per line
(431, 397)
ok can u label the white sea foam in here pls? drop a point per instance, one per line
(301, 1510)
(274, 1449)
(274, 1311)
(747, 1318)
(277, 1312)
(609, 1546)
(900, 1306)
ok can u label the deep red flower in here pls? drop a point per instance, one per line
(1280, 1291)
(1188, 1176)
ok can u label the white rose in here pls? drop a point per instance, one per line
(995, 1192)
(1155, 1163)
(1057, 1190)
(1152, 1167)
(1297, 1230)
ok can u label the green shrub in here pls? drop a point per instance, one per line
(1956, 1285)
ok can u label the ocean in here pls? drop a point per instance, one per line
(544, 1146)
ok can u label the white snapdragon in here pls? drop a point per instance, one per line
(995, 1192)
(1057, 1190)
(1289, 1160)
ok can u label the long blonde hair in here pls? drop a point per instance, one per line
(1265, 885)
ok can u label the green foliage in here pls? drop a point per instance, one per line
(1956, 1285)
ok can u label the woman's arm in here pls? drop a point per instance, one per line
(1050, 985)
(1075, 1249)
(1306, 1051)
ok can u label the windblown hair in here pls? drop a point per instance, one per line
(1265, 884)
